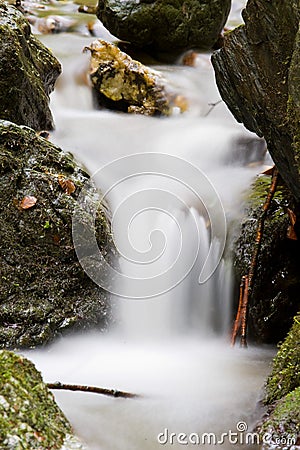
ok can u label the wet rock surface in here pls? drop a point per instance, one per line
(28, 72)
(282, 420)
(258, 73)
(275, 296)
(30, 418)
(123, 84)
(44, 290)
(165, 25)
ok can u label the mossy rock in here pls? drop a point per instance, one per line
(123, 84)
(165, 25)
(28, 71)
(29, 417)
(275, 297)
(44, 290)
(285, 376)
(280, 429)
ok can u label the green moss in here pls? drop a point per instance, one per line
(124, 84)
(29, 416)
(285, 376)
(283, 422)
(274, 299)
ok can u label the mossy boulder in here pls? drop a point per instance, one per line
(165, 25)
(258, 74)
(28, 71)
(275, 297)
(29, 417)
(123, 84)
(281, 424)
(44, 291)
(281, 427)
(285, 376)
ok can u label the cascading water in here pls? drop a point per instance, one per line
(171, 348)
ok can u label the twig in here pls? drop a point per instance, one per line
(247, 280)
(237, 322)
(212, 106)
(92, 389)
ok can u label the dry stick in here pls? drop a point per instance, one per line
(237, 322)
(242, 314)
(93, 389)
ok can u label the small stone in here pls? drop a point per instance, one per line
(121, 83)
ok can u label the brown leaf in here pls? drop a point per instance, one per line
(56, 239)
(291, 233)
(292, 216)
(268, 171)
(27, 202)
(67, 185)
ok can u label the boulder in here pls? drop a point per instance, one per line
(44, 290)
(275, 296)
(28, 71)
(30, 418)
(124, 84)
(283, 394)
(258, 73)
(285, 376)
(165, 25)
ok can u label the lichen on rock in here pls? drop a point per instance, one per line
(29, 417)
(44, 290)
(124, 84)
(165, 25)
(28, 71)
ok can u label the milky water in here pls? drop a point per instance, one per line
(173, 348)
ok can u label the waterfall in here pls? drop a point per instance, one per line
(177, 187)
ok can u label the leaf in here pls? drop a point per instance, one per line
(291, 233)
(27, 202)
(67, 185)
(268, 171)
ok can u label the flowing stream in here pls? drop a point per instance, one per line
(172, 348)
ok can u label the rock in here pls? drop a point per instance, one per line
(165, 25)
(285, 376)
(27, 72)
(121, 83)
(44, 290)
(30, 418)
(283, 393)
(281, 429)
(274, 299)
(258, 72)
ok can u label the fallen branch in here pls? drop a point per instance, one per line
(237, 322)
(247, 280)
(92, 389)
